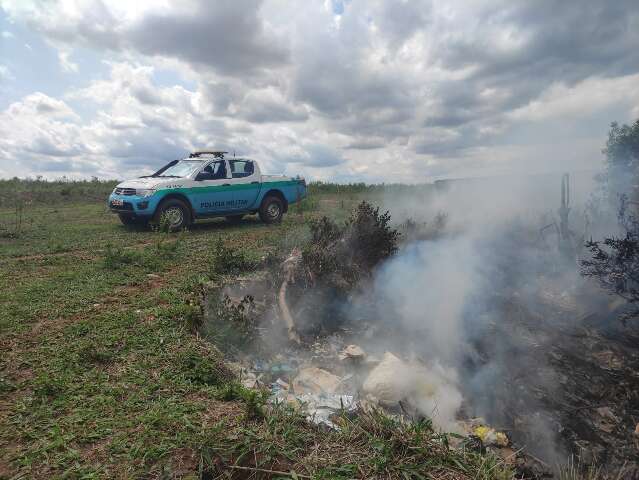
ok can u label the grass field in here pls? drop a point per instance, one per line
(101, 375)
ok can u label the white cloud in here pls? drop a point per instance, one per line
(65, 62)
(585, 98)
(432, 88)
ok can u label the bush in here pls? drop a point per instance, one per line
(342, 255)
(228, 261)
(371, 235)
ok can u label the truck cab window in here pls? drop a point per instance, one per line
(216, 170)
(242, 168)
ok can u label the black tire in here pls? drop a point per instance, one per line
(127, 219)
(132, 220)
(272, 210)
(234, 218)
(176, 212)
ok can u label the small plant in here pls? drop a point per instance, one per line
(228, 261)
(47, 386)
(254, 400)
(200, 368)
(576, 471)
(165, 244)
(6, 386)
(92, 354)
(237, 321)
(308, 204)
(116, 257)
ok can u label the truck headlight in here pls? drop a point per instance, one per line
(145, 192)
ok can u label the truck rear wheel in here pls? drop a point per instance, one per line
(272, 210)
(173, 213)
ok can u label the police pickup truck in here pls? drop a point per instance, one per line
(206, 184)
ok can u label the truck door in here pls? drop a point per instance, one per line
(212, 193)
(246, 183)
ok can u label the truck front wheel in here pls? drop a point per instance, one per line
(131, 220)
(271, 210)
(173, 213)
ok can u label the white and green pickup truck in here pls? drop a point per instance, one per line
(204, 185)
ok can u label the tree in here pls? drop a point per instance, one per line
(615, 261)
(622, 162)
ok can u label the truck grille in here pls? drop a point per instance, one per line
(126, 206)
(125, 191)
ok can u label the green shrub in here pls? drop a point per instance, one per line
(235, 324)
(200, 368)
(228, 261)
(341, 255)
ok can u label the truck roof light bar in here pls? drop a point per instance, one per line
(216, 154)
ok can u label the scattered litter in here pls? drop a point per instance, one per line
(429, 391)
(490, 437)
(318, 407)
(281, 367)
(282, 384)
(507, 455)
(606, 420)
(387, 383)
(250, 380)
(315, 380)
(352, 352)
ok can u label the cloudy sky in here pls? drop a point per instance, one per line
(343, 90)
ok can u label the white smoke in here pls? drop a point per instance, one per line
(438, 296)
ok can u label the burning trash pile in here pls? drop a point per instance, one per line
(306, 352)
(485, 332)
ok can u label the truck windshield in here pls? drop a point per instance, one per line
(183, 168)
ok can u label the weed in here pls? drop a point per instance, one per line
(117, 257)
(576, 471)
(6, 385)
(48, 386)
(93, 354)
(166, 245)
(308, 204)
(227, 260)
(254, 400)
(235, 323)
(200, 368)
(192, 315)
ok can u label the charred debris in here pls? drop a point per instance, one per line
(539, 371)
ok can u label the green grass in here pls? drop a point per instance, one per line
(101, 375)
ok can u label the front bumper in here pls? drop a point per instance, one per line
(132, 205)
